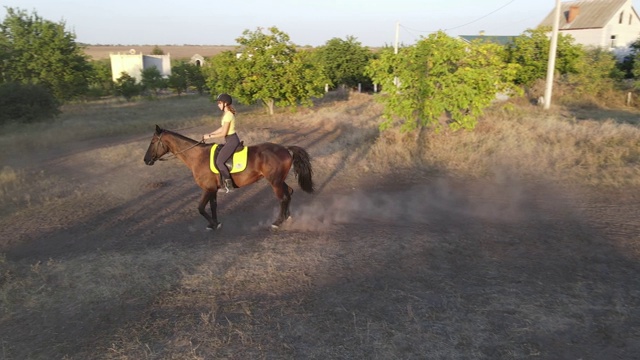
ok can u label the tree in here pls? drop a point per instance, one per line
(26, 103)
(302, 79)
(630, 66)
(185, 75)
(439, 75)
(268, 69)
(222, 73)
(5, 56)
(344, 62)
(196, 78)
(100, 80)
(157, 51)
(596, 73)
(39, 51)
(127, 86)
(152, 80)
(178, 81)
(531, 51)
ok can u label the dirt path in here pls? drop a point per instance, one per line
(369, 267)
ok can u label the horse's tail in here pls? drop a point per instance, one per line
(302, 168)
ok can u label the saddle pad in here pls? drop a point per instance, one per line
(239, 160)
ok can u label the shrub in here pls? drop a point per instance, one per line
(26, 103)
(127, 86)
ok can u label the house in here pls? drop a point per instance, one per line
(491, 39)
(133, 63)
(608, 24)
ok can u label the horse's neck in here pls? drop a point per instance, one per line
(182, 148)
(177, 144)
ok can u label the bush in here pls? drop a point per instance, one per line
(127, 86)
(26, 103)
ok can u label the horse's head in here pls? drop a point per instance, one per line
(156, 148)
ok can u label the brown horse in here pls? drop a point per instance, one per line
(266, 160)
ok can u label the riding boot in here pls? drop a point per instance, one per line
(228, 184)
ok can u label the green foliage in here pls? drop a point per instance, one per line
(127, 86)
(178, 81)
(195, 78)
(439, 75)
(186, 76)
(635, 65)
(5, 56)
(100, 79)
(344, 62)
(626, 65)
(268, 69)
(157, 51)
(152, 80)
(595, 73)
(531, 52)
(26, 103)
(38, 51)
(302, 80)
(630, 66)
(221, 73)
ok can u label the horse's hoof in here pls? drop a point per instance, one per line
(211, 227)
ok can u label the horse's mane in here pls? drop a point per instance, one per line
(179, 135)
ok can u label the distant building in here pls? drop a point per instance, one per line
(492, 39)
(133, 63)
(197, 60)
(608, 24)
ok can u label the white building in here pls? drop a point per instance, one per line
(609, 24)
(133, 64)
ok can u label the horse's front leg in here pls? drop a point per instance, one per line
(211, 198)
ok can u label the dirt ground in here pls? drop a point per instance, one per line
(369, 267)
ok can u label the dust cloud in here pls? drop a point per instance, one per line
(418, 204)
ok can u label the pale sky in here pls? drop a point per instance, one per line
(200, 22)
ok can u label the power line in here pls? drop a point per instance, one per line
(414, 31)
(463, 25)
(482, 17)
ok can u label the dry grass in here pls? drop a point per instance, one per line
(104, 259)
(100, 119)
(525, 142)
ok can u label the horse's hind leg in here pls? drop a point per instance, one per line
(283, 193)
(211, 198)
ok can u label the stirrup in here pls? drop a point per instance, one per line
(228, 185)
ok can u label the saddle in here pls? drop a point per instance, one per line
(236, 163)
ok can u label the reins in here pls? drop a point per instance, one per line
(174, 155)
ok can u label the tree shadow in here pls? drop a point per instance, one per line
(620, 116)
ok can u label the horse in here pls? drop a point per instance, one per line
(267, 160)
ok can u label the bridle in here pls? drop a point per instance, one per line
(173, 155)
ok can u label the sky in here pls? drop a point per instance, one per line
(198, 22)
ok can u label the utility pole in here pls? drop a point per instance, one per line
(395, 47)
(552, 57)
(396, 82)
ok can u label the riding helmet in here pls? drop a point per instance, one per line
(225, 98)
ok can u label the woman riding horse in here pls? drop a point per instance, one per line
(267, 160)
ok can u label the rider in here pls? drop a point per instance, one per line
(228, 131)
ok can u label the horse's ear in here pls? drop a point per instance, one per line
(158, 130)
